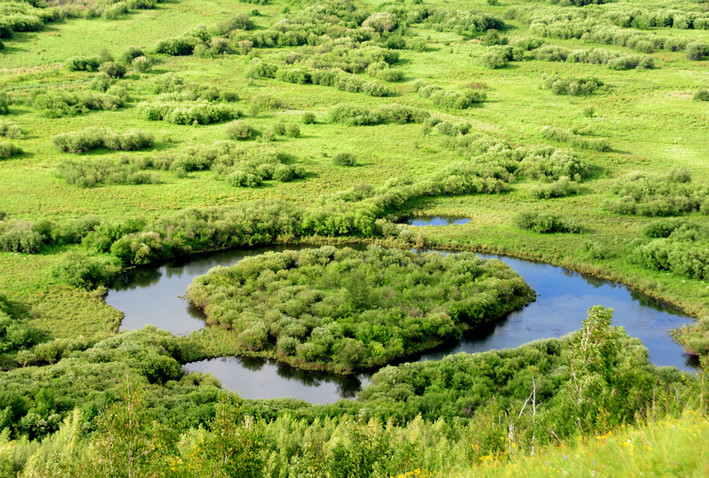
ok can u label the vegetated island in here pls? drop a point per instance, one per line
(345, 310)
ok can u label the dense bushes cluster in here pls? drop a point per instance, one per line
(680, 256)
(95, 137)
(58, 103)
(595, 56)
(677, 246)
(348, 309)
(578, 141)
(229, 161)
(339, 79)
(449, 414)
(148, 357)
(544, 223)
(571, 85)
(453, 98)
(561, 188)
(355, 115)
(88, 173)
(496, 158)
(358, 211)
(14, 335)
(187, 113)
(29, 237)
(610, 29)
(670, 195)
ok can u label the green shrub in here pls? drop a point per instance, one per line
(344, 159)
(141, 64)
(244, 179)
(543, 223)
(14, 335)
(643, 195)
(697, 50)
(57, 103)
(355, 115)
(176, 46)
(82, 271)
(561, 188)
(21, 237)
(701, 95)
(82, 63)
(93, 138)
(5, 102)
(131, 54)
(91, 173)
(390, 75)
(187, 113)
(571, 85)
(664, 227)
(113, 69)
(240, 131)
(114, 11)
(10, 130)
(8, 150)
(495, 59)
(292, 130)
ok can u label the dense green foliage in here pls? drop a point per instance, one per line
(348, 309)
(94, 138)
(433, 416)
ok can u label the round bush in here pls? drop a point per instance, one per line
(141, 64)
(344, 159)
(240, 131)
(113, 69)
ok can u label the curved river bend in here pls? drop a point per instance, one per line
(153, 296)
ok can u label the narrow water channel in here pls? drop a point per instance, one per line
(153, 296)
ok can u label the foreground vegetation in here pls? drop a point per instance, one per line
(440, 417)
(136, 132)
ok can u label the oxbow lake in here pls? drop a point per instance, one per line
(154, 296)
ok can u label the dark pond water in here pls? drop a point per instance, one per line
(257, 378)
(437, 221)
(153, 296)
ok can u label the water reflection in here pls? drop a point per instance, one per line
(259, 378)
(437, 221)
(563, 298)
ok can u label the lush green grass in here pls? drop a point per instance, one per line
(668, 447)
(647, 115)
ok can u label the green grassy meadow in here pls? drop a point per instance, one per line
(649, 117)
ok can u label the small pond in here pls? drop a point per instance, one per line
(153, 296)
(437, 221)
